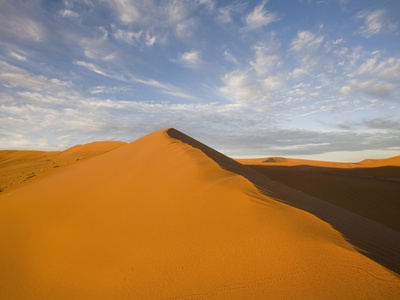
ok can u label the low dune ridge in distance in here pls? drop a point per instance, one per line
(18, 167)
(163, 218)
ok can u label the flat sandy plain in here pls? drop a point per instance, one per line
(166, 217)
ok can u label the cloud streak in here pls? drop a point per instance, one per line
(375, 22)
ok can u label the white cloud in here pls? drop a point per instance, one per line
(375, 22)
(225, 13)
(260, 17)
(98, 47)
(127, 11)
(13, 77)
(100, 89)
(372, 87)
(130, 37)
(378, 78)
(173, 16)
(42, 125)
(299, 72)
(20, 55)
(239, 87)
(308, 49)
(387, 69)
(190, 59)
(69, 13)
(92, 67)
(255, 84)
(229, 57)
(306, 41)
(167, 89)
(150, 39)
(265, 62)
(273, 83)
(127, 77)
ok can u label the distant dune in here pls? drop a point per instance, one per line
(166, 217)
(20, 167)
(282, 161)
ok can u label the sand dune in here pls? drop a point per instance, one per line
(21, 167)
(166, 217)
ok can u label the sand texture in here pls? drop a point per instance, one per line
(166, 217)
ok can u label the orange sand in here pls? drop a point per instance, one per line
(159, 219)
(21, 167)
(282, 161)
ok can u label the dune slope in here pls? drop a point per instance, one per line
(18, 167)
(159, 219)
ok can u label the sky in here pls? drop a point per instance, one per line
(316, 79)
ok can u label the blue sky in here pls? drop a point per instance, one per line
(297, 78)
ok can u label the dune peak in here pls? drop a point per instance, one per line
(275, 159)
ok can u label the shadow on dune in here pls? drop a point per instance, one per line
(370, 192)
(373, 239)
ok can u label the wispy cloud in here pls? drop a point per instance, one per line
(255, 83)
(126, 36)
(92, 67)
(375, 22)
(306, 41)
(154, 16)
(18, 55)
(109, 89)
(13, 77)
(168, 89)
(99, 46)
(228, 56)
(127, 11)
(127, 77)
(307, 47)
(69, 13)
(226, 13)
(375, 77)
(190, 59)
(260, 17)
(17, 23)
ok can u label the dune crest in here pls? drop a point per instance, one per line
(160, 219)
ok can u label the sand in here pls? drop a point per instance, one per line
(166, 217)
(18, 168)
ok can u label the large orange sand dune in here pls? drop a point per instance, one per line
(160, 219)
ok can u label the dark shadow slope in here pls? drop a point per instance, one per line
(372, 238)
(371, 192)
